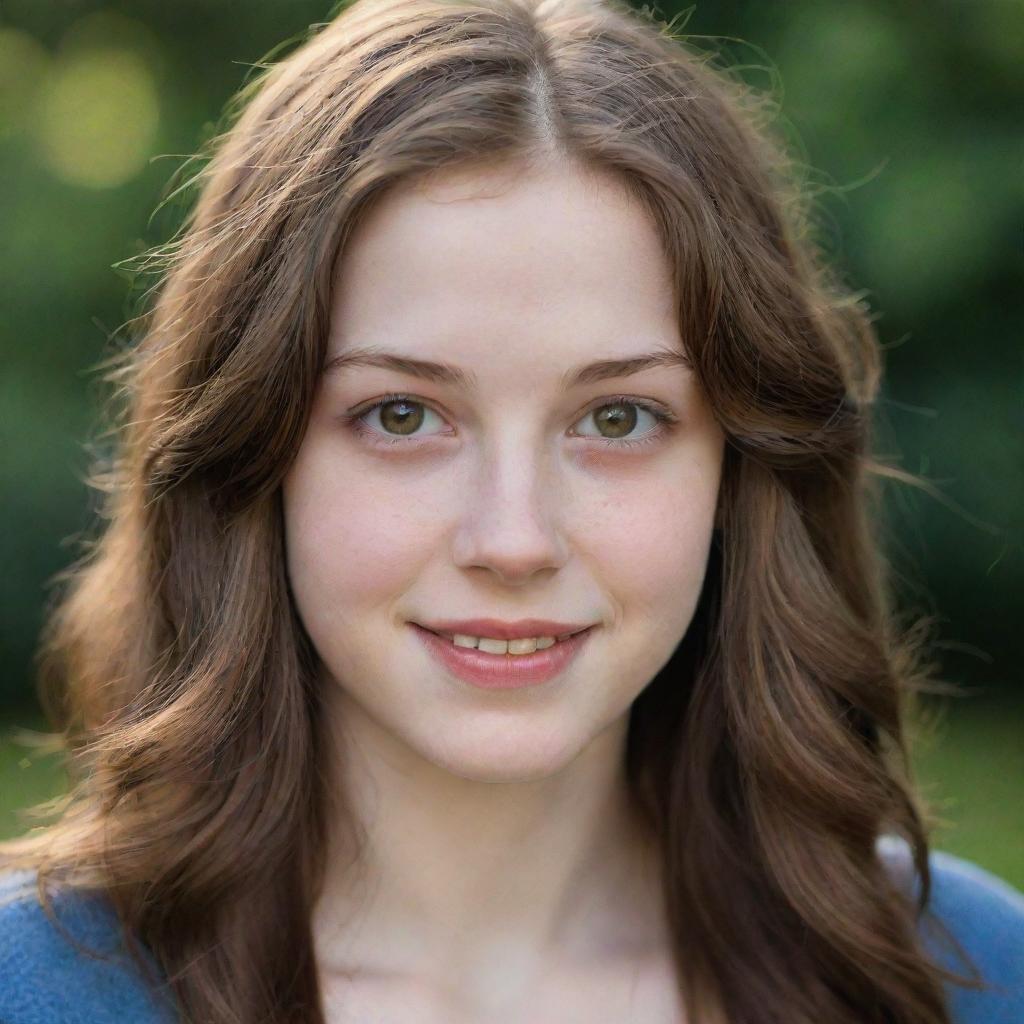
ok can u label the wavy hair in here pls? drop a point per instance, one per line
(769, 754)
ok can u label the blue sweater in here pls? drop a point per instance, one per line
(43, 980)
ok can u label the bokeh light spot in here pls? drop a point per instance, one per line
(98, 115)
(23, 64)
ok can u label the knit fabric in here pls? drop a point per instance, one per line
(44, 979)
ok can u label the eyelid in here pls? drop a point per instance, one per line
(650, 404)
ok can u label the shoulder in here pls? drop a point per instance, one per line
(46, 979)
(985, 914)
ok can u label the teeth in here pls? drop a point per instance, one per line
(524, 645)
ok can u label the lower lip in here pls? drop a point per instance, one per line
(503, 671)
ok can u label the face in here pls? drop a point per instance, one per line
(513, 492)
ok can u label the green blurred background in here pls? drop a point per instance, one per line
(907, 118)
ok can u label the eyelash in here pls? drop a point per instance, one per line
(665, 420)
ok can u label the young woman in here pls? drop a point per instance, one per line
(490, 624)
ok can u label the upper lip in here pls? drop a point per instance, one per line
(499, 630)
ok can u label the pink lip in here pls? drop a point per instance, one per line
(502, 671)
(504, 630)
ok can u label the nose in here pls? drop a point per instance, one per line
(513, 514)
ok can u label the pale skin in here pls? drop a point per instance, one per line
(504, 876)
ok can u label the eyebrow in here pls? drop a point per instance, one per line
(445, 373)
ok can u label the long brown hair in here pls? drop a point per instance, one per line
(769, 755)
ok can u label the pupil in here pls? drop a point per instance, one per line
(406, 422)
(622, 418)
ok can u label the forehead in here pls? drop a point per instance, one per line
(554, 257)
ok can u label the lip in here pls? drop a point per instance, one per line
(502, 671)
(499, 630)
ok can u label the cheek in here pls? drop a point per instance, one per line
(357, 538)
(651, 539)
(352, 538)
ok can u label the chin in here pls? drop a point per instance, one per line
(518, 755)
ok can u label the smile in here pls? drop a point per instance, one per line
(495, 664)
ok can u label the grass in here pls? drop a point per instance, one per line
(969, 765)
(27, 777)
(971, 773)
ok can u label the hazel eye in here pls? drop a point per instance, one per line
(620, 417)
(399, 415)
